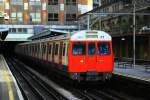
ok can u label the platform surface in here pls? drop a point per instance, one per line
(137, 72)
(8, 87)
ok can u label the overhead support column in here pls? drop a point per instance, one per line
(26, 17)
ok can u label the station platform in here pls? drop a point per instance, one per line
(9, 89)
(137, 72)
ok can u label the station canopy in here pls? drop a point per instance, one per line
(48, 33)
(3, 33)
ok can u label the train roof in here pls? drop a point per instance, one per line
(91, 35)
(78, 36)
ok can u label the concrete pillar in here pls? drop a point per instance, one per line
(26, 16)
(62, 10)
(44, 12)
(7, 10)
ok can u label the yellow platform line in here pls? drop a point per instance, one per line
(7, 78)
(8, 81)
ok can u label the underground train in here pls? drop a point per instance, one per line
(85, 55)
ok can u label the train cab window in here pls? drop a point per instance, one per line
(79, 48)
(91, 48)
(103, 48)
(64, 49)
(56, 49)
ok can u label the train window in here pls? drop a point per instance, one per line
(67, 44)
(49, 49)
(32, 48)
(79, 48)
(36, 47)
(103, 48)
(56, 49)
(64, 49)
(44, 48)
(91, 48)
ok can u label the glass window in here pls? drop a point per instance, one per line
(13, 30)
(35, 17)
(52, 2)
(14, 14)
(19, 29)
(50, 47)
(56, 49)
(52, 17)
(24, 30)
(71, 17)
(67, 45)
(79, 48)
(71, 2)
(64, 49)
(44, 48)
(91, 48)
(103, 48)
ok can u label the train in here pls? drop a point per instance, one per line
(85, 55)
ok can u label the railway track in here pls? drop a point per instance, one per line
(76, 92)
(105, 95)
(32, 87)
(83, 92)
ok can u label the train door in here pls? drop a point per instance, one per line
(104, 56)
(50, 52)
(91, 57)
(60, 55)
(56, 57)
(53, 52)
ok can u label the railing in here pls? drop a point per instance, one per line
(123, 62)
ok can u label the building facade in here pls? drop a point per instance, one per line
(116, 17)
(96, 3)
(44, 13)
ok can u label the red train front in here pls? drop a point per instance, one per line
(83, 56)
(90, 56)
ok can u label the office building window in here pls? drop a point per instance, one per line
(70, 2)
(35, 17)
(52, 2)
(17, 17)
(70, 17)
(52, 17)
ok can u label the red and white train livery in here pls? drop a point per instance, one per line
(83, 55)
